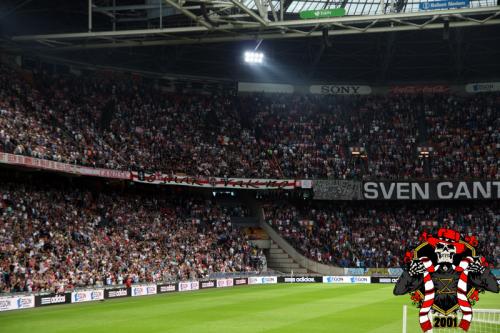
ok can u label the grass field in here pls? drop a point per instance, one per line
(265, 308)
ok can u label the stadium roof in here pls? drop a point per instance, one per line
(376, 40)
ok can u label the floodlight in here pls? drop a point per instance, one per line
(252, 57)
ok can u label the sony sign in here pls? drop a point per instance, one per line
(340, 90)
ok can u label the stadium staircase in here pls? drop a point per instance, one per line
(282, 257)
(279, 260)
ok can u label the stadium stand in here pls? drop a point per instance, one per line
(56, 239)
(377, 234)
(123, 124)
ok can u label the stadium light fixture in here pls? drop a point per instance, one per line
(253, 57)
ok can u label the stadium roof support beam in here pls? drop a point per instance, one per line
(267, 36)
(250, 12)
(189, 14)
(251, 30)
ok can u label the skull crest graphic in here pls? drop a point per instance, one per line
(444, 275)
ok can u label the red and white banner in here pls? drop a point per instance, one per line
(31, 162)
(216, 182)
(155, 178)
(419, 89)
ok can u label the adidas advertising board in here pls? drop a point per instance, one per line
(17, 303)
(87, 296)
(166, 288)
(52, 299)
(116, 293)
(240, 281)
(149, 289)
(223, 283)
(299, 279)
(346, 279)
(389, 279)
(207, 284)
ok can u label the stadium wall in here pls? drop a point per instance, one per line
(28, 301)
(19, 302)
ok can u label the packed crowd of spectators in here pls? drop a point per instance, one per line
(123, 123)
(53, 239)
(378, 235)
(466, 136)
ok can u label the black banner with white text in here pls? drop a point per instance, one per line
(432, 190)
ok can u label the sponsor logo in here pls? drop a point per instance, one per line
(144, 290)
(57, 299)
(359, 279)
(96, 295)
(388, 280)
(395, 271)
(482, 87)
(88, 295)
(333, 279)
(117, 293)
(138, 291)
(262, 279)
(346, 279)
(254, 280)
(209, 284)
(5, 304)
(240, 281)
(222, 283)
(79, 297)
(266, 87)
(340, 90)
(419, 89)
(25, 302)
(443, 4)
(186, 286)
(166, 289)
(303, 279)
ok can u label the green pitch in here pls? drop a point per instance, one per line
(266, 308)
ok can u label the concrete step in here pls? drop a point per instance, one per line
(279, 255)
(296, 271)
(280, 260)
(284, 265)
